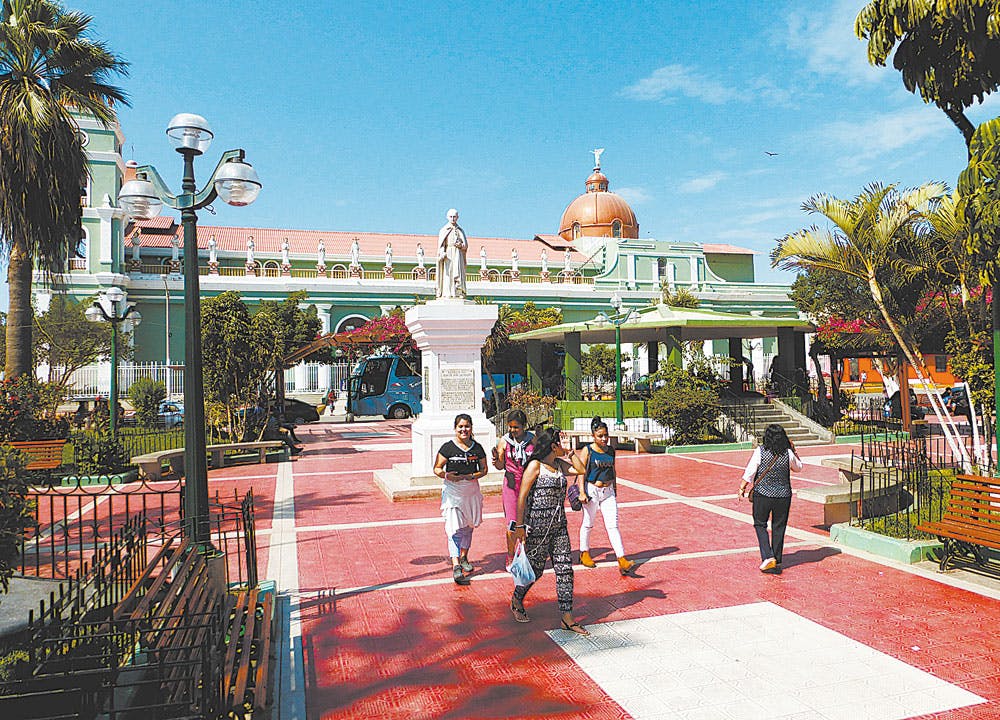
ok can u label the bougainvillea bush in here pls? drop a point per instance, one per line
(28, 410)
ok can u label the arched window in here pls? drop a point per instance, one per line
(85, 192)
(616, 229)
(576, 231)
(78, 254)
(351, 322)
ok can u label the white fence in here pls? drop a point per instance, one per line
(95, 380)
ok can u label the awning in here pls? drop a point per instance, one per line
(656, 323)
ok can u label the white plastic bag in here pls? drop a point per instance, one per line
(520, 568)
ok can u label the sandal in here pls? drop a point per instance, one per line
(517, 610)
(575, 627)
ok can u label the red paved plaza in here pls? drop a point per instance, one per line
(375, 627)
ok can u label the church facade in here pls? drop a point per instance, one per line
(351, 276)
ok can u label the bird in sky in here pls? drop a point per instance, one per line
(769, 154)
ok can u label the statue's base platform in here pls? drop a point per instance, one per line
(399, 484)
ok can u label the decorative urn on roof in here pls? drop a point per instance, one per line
(598, 213)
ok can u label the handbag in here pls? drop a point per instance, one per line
(573, 495)
(520, 568)
(753, 483)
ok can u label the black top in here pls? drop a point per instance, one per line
(463, 462)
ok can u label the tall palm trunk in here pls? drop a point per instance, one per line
(19, 317)
(937, 404)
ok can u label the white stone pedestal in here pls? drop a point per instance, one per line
(450, 334)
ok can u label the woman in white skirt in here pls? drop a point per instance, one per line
(460, 463)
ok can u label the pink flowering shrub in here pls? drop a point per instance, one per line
(28, 410)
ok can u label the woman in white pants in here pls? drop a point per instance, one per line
(598, 490)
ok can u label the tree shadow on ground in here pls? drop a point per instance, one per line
(452, 662)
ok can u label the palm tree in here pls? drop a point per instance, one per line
(48, 70)
(869, 239)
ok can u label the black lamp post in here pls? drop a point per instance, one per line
(236, 183)
(618, 319)
(110, 307)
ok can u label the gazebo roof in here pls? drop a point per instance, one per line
(655, 322)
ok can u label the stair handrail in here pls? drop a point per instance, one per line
(740, 412)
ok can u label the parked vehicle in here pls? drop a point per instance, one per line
(299, 412)
(391, 386)
(171, 414)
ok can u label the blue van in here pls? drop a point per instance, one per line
(391, 386)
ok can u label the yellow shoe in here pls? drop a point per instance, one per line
(586, 560)
(625, 565)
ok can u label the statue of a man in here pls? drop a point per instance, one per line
(567, 262)
(355, 253)
(420, 255)
(545, 260)
(250, 260)
(212, 250)
(452, 244)
(482, 257)
(513, 260)
(175, 248)
(321, 253)
(388, 254)
(284, 251)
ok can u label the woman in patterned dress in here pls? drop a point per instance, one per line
(541, 522)
(769, 471)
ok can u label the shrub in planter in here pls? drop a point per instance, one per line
(15, 511)
(28, 411)
(146, 394)
(95, 452)
(686, 404)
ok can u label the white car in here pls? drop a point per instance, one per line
(171, 414)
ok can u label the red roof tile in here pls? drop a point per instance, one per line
(723, 249)
(267, 243)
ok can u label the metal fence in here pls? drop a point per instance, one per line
(73, 520)
(899, 482)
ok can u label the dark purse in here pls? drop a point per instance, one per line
(573, 495)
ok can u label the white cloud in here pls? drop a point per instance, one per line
(703, 183)
(829, 45)
(633, 195)
(884, 133)
(667, 82)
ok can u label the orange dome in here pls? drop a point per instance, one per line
(598, 213)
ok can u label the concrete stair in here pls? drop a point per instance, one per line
(765, 414)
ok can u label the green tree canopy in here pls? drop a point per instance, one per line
(947, 50)
(66, 341)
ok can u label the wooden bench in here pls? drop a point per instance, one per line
(177, 603)
(971, 522)
(248, 650)
(42, 454)
(151, 464)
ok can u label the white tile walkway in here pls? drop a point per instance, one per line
(750, 662)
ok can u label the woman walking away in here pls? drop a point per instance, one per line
(599, 490)
(768, 474)
(541, 523)
(460, 463)
(511, 456)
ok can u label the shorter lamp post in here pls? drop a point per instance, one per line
(618, 319)
(110, 307)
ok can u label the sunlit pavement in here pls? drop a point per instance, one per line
(373, 626)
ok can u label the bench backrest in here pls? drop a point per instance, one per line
(974, 499)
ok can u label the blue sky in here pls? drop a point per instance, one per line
(381, 116)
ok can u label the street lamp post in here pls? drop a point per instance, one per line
(110, 307)
(236, 183)
(618, 319)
